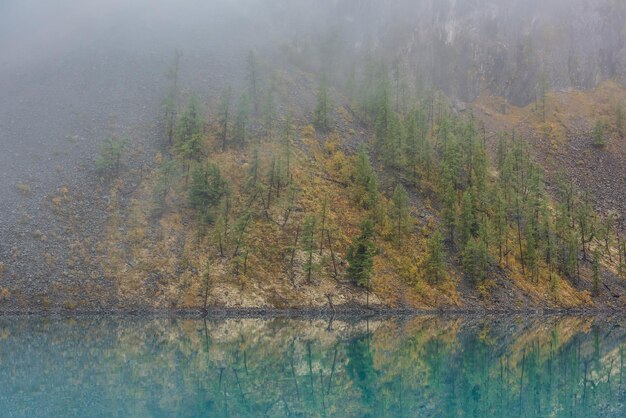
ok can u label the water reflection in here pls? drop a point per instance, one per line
(423, 366)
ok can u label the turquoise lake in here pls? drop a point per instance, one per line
(402, 367)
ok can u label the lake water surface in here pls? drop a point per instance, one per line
(421, 366)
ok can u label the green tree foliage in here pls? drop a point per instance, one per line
(505, 212)
(374, 91)
(223, 224)
(392, 143)
(189, 134)
(436, 258)
(418, 150)
(365, 180)
(224, 115)
(239, 229)
(599, 134)
(449, 210)
(500, 224)
(586, 225)
(111, 151)
(322, 108)
(596, 271)
(240, 134)
(389, 128)
(207, 189)
(190, 123)
(277, 180)
(254, 174)
(361, 256)
(400, 213)
(468, 227)
(166, 173)
(475, 259)
(308, 245)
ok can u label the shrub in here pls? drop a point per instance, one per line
(111, 153)
(599, 134)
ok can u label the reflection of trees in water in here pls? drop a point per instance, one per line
(424, 366)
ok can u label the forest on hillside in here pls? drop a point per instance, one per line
(380, 187)
(416, 155)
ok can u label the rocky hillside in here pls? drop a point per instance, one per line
(73, 236)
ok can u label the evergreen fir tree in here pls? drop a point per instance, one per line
(436, 258)
(361, 256)
(400, 213)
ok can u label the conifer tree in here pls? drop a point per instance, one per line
(475, 259)
(586, 225)
(467, 221)
(599, 134)
(436, 258)
(449, 211)
(240, 134)
(109, 160)
(240, 228)
(322, 108)
(392, 143)
(224, 114)
(411, 143)
(323, 223)
(207, 189)
(596, 271)
(361, 256)
(190, 122)
(188, 133)
(500, 224)
(366, 181)
(400, 213)
(254, 172)
(308, 245)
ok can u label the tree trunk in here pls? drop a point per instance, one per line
(332, 254)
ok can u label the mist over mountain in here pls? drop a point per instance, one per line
(73, 73)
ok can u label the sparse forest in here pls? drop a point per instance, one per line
(338, 160)
(330, 208)
(420, 208)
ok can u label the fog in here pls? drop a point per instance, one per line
(74, 71)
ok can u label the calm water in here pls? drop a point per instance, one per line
(424, 366)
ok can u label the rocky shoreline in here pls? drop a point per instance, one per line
(345, 312)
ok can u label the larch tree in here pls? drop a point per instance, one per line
(322, 108)
(308, 245)
(436, 258)
(240, 129)
(596, 271)
(361, 256)
(366, 181)
(224, 115)
(207, 189)
(400, 213)
(475, 259)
